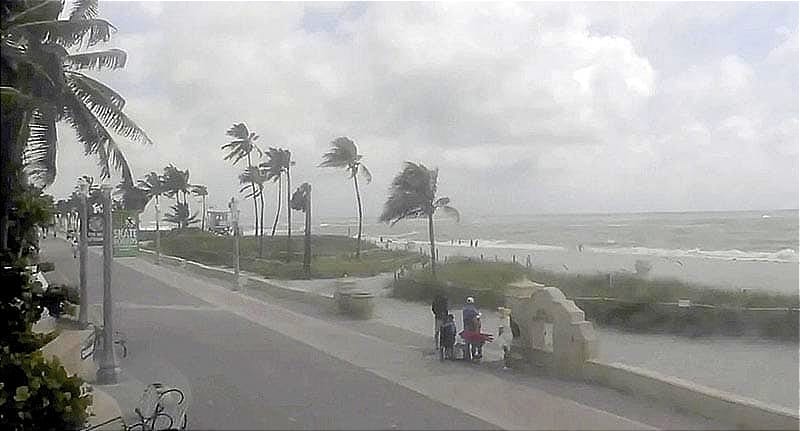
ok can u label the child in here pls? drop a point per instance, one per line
(447, 338)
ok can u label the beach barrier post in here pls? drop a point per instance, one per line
(481, 257)
(513, 258)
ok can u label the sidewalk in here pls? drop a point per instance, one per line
(508, 400)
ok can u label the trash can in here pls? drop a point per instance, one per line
(341, 295)
(342, 301)
(361, 305)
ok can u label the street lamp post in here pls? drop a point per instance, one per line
(158, 235)
(83, 313)
(234, 207)
(107, 373)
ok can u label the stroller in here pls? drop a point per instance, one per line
(472, 347)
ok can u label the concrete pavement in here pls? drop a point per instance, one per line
(252, 363)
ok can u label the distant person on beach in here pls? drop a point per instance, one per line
(580, 248)
(476, 243)
(74, 248)
(440, 310)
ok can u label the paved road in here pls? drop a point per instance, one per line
(241, 375)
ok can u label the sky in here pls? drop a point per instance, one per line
(524, 107)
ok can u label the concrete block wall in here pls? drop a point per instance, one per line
(744, 413)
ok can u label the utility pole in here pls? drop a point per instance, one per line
(307, 251)
(107, 373)
(158, 234)
(83, 313)
(234, 207)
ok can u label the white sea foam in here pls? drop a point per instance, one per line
(786, 255)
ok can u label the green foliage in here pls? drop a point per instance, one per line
(636, 303)
(179, 214)
(332, 255)
(37, 394)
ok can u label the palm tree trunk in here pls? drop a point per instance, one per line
(203, 220)
(261, 224)
(255, 199)
(360, 215)
(278, 212)
(288, 216)
(433, 246)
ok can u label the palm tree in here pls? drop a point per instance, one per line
(275, 167)
(301, 201)
(242, 145)
(132, 197)
(287, 165)
(413, 194)
(344, 154)
(153, 185)
(43, 83)
(256, 176)
(202, 191)
(180, 215)
(176, 183)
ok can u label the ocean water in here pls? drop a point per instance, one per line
(735, 250)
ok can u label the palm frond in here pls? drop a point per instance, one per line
(45, 11)
(104, 108)
(39, 155)
(365, 173)
(441, 202)
(83, 9)
(238, 131)
(65, 33)
(95, 138)
(343, 153)
(451, 212)
(111, 59)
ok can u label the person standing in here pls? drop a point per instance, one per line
(440, 311)
(468, 314)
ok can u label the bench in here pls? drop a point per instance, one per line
(160, 408)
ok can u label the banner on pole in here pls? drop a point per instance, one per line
(94, 228)
(125, 233)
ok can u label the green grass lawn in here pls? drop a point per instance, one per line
(332, 256)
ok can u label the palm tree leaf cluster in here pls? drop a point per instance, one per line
(44, 84)
(344, 154)
(413, 194)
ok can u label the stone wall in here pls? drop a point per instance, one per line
(551, 333)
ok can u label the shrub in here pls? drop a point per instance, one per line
(37, 394)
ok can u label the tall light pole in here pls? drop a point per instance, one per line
(107, 373)
(83, 313)
(234, 207)
(158, 235)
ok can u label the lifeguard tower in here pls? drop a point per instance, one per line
(218, 221)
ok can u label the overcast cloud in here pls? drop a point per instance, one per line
(525, 108)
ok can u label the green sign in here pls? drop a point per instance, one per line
(125, 231)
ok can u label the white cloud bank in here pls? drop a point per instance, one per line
(524, 107)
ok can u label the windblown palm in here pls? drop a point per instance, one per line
(42, 84)
(277, 163)
(180, 215)
(413, 194)
(344, 154)
(255, 176)
(176, 183)
(153, 185)
(242, 146)
(132, 197)
(202, 191)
